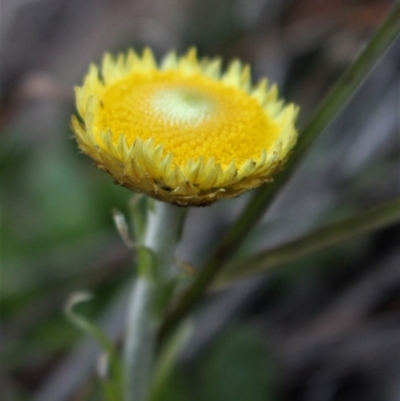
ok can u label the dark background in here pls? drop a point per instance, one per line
(325, 328)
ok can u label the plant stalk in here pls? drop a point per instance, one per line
(337, 232)
(263, 197)
(155, 268)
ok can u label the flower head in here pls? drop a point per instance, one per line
(182, 131)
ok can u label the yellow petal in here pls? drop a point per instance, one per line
(182, 132)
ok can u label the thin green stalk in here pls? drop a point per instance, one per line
(362, 223)
(139, 343)
(113, 379)
(262, 198)
(144, 314)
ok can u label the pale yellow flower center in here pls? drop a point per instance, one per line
(182, 105)
(190, 115)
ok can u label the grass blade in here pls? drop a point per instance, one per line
(321, 238)
(262, 198)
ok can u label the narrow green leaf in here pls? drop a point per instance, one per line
(147, 265)
(334, 233)
(139, 205)
(122, 227)
(167, 360)
(112, 383)
(263, 197)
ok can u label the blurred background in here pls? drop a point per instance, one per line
(324, 328)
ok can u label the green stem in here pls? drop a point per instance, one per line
(144, 316)
(364, 222)
(263, 197)
(139, 344)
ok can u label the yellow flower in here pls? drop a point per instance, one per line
(182, 131)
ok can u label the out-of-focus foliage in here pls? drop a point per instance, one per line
(326, 326)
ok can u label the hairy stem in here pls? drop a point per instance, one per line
(144, 314)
